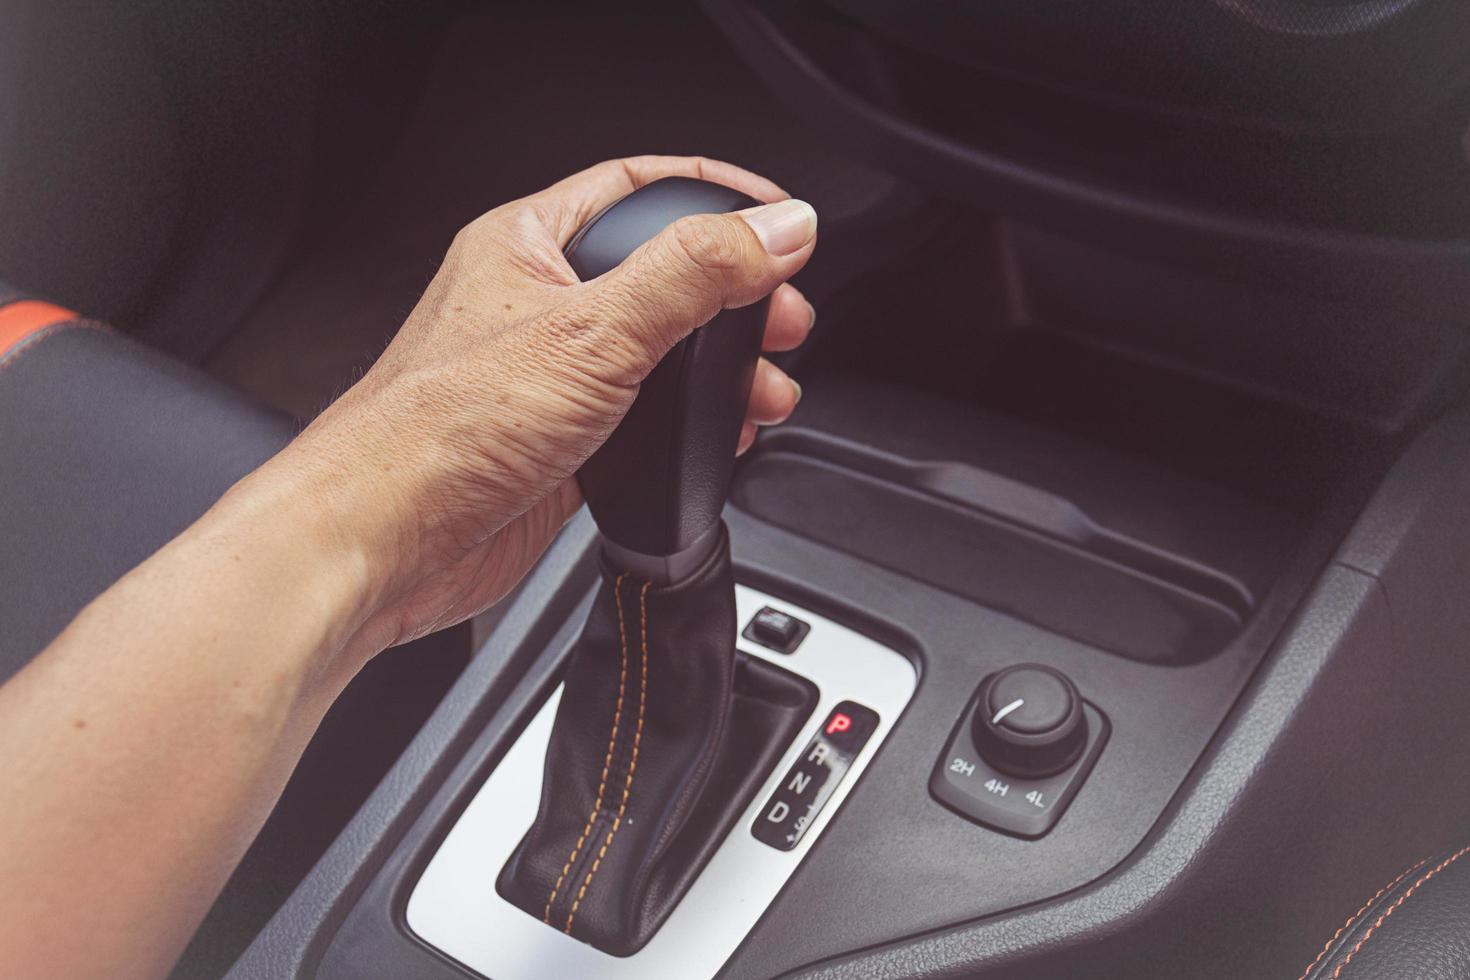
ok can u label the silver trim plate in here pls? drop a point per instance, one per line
(454, 906)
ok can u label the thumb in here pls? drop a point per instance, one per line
(678, 280)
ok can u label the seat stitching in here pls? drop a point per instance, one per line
(607, 760)
(633, 759)
(1390, 910)
(1354, 917)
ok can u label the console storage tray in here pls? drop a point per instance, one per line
(1112, 551)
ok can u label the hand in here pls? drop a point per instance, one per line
(450, 464)
(416, 500)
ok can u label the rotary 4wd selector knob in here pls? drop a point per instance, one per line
(1029, 722)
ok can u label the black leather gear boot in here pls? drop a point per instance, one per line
(661, 738)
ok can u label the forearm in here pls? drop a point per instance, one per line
(146, 745)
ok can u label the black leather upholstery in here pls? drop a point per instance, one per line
(1417, 926)
(661, 737)
(107, 450)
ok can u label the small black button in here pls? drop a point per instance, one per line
(815, 776)
(777, 630)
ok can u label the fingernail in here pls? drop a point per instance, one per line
(783, 227)
(812, 320)
(796, 387)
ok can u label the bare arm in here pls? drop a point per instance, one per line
(141, 751)
(146, 745)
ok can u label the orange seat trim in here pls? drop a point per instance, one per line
(25, 318)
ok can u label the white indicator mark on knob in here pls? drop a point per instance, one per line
(1007, 710)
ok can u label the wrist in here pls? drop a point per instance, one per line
(294, 524)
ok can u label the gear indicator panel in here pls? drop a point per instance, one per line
(815, 775)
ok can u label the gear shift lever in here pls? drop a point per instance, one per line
(657, 486)
(662, 734)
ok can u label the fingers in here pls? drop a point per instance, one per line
(646, 169)
(790, 320)
(569, 204)
(530, 235)
(690, 271)
(773, 395)
(748, 433)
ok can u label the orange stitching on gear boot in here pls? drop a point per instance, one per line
(633, 761)
(607, 761)
(1402, 898)
(1354, 917)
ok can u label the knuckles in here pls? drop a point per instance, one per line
(510, 248)
(583, 339)
(567, 356)
(477, 237)
(709, 244)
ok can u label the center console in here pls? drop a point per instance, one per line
(861, 689)
(1048, 685)
(1241, 649)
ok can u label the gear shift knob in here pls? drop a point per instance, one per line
(657, 486)
(609, 856)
